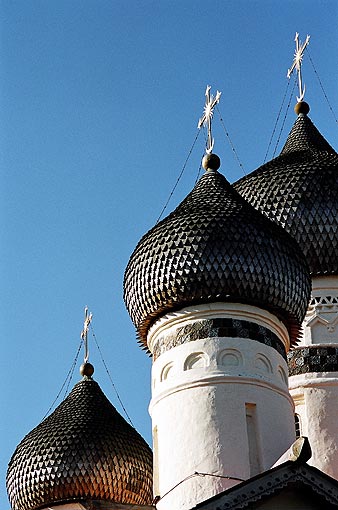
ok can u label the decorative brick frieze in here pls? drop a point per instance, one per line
(222, 327)
(325, 301)
(302, 360)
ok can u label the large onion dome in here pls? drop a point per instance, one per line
(83, 451)
(299, 190)
(216, 247)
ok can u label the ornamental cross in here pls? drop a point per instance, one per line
(205, 120)
(84, 332)
(297, 63)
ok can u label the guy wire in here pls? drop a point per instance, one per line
(179, 177)
(68, 378)
(230, 141)
(110, 378)
(321, 85)
(284, 119)
(277, 120)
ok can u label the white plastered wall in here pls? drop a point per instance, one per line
(321, 322)
(316, 393)
(220, 408)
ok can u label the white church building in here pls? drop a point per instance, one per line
(235, 296)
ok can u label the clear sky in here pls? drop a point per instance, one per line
(99, 107)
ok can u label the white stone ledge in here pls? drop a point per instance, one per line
(215, 378)
(311, 379)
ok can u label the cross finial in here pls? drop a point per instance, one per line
(297, 63)
(210, 103)
(84, 332)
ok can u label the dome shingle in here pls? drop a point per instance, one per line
(299, 190)
(215, 247)
(83, 450)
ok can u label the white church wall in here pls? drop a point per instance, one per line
(316, 400)
(314, 375)
(220, 407)
(321, 322)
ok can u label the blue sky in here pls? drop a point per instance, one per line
(99, 108)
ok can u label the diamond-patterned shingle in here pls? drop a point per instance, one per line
(216, 247)
(83, 450)
(299, 190)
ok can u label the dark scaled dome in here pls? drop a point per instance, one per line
(299, 190)
(216, 247)
(83, 450)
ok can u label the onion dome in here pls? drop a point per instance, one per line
(83, 451)
(216, 247)
(299, 190)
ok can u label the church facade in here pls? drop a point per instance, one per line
(235, 295)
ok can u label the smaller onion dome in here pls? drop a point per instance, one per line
(216, 247)
(299, 190)
(83, 450)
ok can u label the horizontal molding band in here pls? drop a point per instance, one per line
(218, 378)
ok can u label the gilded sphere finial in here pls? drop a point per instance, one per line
(302, 107)
(86, 369)
(211, 162)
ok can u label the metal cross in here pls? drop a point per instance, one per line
(297, 63)
(84, 332)
(210, 103)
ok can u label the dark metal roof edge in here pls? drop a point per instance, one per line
(271, 481)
